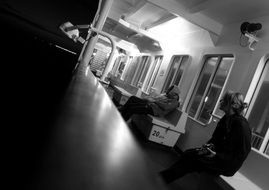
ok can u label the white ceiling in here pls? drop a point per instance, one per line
(140, 13)
(228, 11)
(209, 14)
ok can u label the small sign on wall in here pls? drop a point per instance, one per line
(163, 136)
(161, 73)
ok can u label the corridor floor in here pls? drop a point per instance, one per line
(162, 157)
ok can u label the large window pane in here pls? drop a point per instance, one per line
(139, 70)
(126, 68)
(180, 70)
(131, 70)
(209, 87)
(202, 84)
(147, 64)
(115, 65)
(259, 116)
(122, 64)
(215, 90)
(176, 70)
(153, 74)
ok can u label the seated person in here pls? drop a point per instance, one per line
(156, 106)
(227, 149)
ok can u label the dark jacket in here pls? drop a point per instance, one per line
(232, 140)
(163, 105)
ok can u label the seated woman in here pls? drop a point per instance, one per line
(227, 149)
(156, 106)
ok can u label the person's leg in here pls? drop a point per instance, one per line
(187, 163)
(142, 109)
(133, 100)
(211, 165)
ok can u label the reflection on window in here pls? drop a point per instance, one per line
(141, 66)
(125, 70)
(209, 86)
(152, 74)
(146, 65)
(131, 70)
(215, 90)
(259, 113)
(178, 65)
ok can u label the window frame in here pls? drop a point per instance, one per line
(251, 96)
(139, 70)
(145, 70)
(151, 77)
(208, 87)
(126, 68)
(177, 70)
(129, 75)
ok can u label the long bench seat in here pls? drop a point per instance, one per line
(239, 182)
(164, 130)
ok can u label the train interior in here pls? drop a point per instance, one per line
(62, 88)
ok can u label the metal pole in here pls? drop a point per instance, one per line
(87, 51)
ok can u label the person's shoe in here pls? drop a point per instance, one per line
(164, 177)
(120, 108)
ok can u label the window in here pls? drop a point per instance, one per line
(125, 70)
(140, 69)
(130, 73)
(258, 112)
(209, 86)
(152, 74)
(178, 65)
(116, 66)
(146, 65)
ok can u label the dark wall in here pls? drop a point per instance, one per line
(35, 76)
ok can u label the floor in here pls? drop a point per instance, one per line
(162, 157)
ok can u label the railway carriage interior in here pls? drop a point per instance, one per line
(64, 87)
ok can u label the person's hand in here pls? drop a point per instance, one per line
(149, 99)
(211, 153)
(208, 145)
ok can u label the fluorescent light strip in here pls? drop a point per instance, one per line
(65, 49)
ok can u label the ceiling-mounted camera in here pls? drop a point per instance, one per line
(250, 30)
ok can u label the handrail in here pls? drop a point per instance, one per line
(113, 47)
